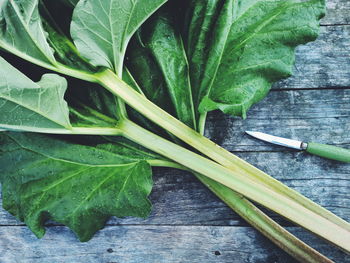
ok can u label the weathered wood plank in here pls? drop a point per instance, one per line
(337, 12)
(312, 115)
(150, 244)
(323, 63)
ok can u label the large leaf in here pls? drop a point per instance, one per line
(22, 33)
(79, 186)
(101, 30)
(250, 45)
(26, 105)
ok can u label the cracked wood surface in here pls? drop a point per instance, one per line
(188, 223)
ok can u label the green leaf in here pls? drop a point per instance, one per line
(101, 30)
(150, 89)
(22, 33)
(250, 45)
(79, 186)
(158, 63)
(145, 75)
(26, 105)
(162, 44)
(202, 16)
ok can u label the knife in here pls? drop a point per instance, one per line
(323, 150)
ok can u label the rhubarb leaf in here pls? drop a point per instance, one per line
(250, 45)
(202, 16)
(158, 63)
(164, 42)
(144, 72)
(76, 185)
(22, 33)
(26, 105)
(101, 30)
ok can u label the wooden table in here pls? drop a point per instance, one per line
(188, 223)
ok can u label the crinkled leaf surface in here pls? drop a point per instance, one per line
(26, 105)
(250, 44)
(101, 30)
(76, 185)
(21, 31)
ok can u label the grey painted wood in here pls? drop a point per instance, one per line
(311, 115)
(337, 12)
(150, 244)
(324, 63)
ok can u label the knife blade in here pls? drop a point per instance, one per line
(322, 150)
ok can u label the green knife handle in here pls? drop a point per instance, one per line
(329, 152)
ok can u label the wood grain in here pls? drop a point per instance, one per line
(146, 244)
(310, 115)
(337, 12)
(324, 63)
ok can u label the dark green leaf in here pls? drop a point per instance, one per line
(202, 16)
(79, 186)
(146, 76)
(163, 43)
(250, 45)
(92, 103)
(157, 61)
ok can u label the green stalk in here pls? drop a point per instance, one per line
(239, 183)
(264, 224)
(201, 122)
(248, 211)
(115, 85)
